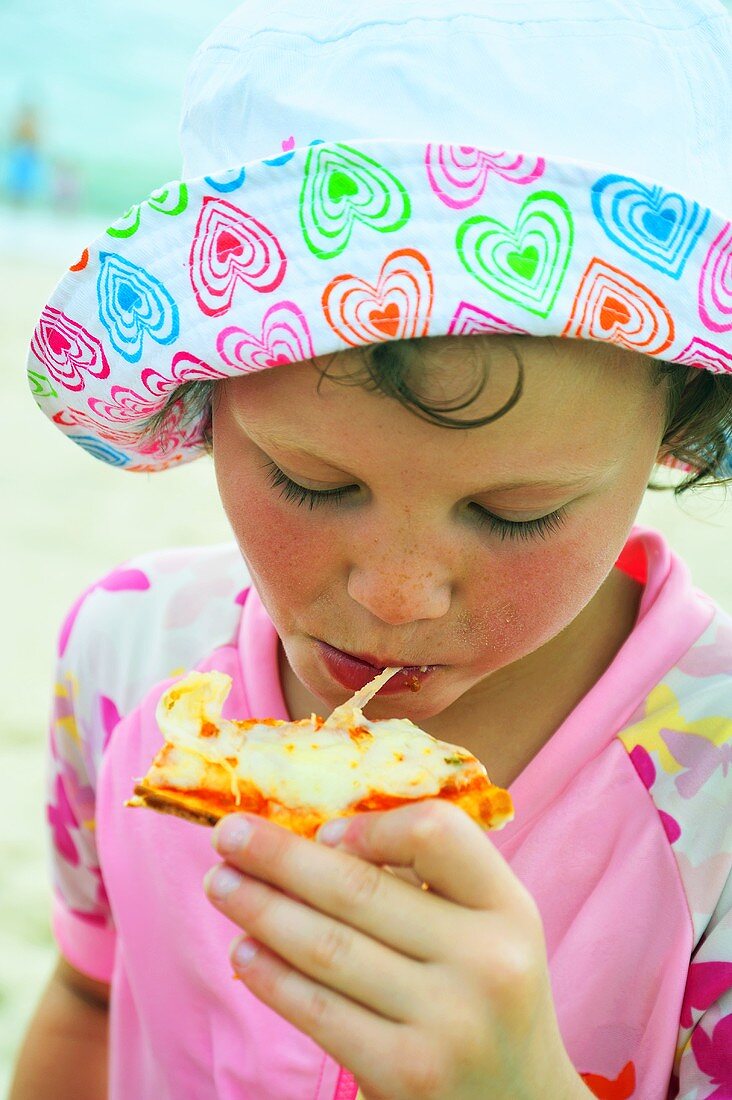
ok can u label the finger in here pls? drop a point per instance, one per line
(333, 954)
(441, 845)
(352, 1035)
(352, 890)
(406, 874)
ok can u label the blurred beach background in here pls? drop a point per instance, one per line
(89, 104)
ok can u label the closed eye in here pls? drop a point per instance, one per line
(520, 529)
(299, 494)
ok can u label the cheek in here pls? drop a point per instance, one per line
(532, 594)
(286, 554)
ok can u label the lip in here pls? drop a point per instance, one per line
(353, 672)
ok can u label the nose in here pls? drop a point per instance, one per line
(400, 591)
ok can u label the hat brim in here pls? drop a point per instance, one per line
(339, 245)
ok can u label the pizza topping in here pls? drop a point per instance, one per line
(302, 772)
(357, 733)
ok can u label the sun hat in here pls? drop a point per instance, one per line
(355, 173)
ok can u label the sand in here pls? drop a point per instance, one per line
(68, 519)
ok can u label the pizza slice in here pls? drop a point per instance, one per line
(302, 774)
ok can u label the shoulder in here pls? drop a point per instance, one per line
(151, 616)
(680, 742)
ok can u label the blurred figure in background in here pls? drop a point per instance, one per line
(24, 176)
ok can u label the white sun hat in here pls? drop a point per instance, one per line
(355, 173)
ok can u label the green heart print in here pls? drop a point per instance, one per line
(342, 186)
(171, 200)
(525, 264)
(40, 385)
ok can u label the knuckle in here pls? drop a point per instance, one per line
(318, 1010)
(515, 975)
(435, 817)
(359, 884)
(332, 947)
(425, 1075)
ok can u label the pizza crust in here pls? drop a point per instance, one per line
(171, 804)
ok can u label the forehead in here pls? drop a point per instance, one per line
(579, 398)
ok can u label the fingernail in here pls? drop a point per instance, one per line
(231, 834)
(221, 881)
(243, 953)
(332, 832)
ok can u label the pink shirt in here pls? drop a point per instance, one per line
(622, 835)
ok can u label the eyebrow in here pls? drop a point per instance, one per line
(554, 482)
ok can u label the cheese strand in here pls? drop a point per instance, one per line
(364, 695)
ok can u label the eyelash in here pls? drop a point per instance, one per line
(298, 494)
(504, 528)
(521, 529)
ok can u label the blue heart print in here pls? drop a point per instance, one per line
(101, 450)
(659, 227)
(133, 304)
(228, 181)
(289, 150)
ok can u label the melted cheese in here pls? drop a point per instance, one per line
(325, 764)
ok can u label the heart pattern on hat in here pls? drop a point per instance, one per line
(342, 186)
(230, 246)
(611, 305)
(133, 304)
(288, 152)
(228, 181)
(471, 319)
(67, 350)
(97, 448)
(185, 367)
(40, 385)
(123, 405)
(285, 338)
(172, 199)
(458, 174)
(660, 227)
(81, 262)
(706, 356)
(177, 432)
(715, 283)
(126, 404)
(397, 308)
(548, 247)
(525, 264)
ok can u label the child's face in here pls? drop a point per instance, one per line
(406, 565)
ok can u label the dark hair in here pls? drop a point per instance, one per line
(697, 439)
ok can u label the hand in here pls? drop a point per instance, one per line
(439, 995)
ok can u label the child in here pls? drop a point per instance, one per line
(364, 325)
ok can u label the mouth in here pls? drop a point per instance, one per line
(354, 671)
